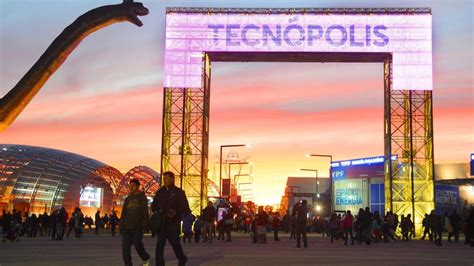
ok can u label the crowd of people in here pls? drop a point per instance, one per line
(56, 225)
(171, 216)
(365, 227)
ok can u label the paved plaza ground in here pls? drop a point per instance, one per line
(106, 250)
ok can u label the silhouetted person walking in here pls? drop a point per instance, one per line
(347, 224)
(134, 220)
(301, 213)
(455, 220)
(426, 224)
(439, 226)
(197, 229)
(79, 222)
(97, 222)
(114, 220)
(71, 225)
(293, 225)
(208, 217)
(61, 222)
(469, 232)
(276, 226)
(171, 203)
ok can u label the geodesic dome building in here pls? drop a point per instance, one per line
(37, 179)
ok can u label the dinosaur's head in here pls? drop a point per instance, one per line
(134, 10)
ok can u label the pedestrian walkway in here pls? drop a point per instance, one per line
(106, 250)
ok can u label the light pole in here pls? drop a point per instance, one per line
(247, 191)
(317, 180)
(220, 162)
(250, 179)
(238, 163)
(323, 155)
(245, 184)
(330, 170)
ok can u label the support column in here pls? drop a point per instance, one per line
(185, 138)
(409, 180)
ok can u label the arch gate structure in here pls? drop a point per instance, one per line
(400, 38)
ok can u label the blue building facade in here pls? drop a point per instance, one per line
(359, 183)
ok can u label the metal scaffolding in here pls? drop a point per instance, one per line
(185, 140)
(408, 129)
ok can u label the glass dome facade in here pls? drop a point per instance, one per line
(39, 179)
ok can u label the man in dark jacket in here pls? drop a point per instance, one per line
(301, 213)
(470, 229)
(455, 220)
(209, 215)
(97, 222)
(366, 225)
(134, 220)
(61, 222)
(426, 224)
(276, 226)
(171, 203)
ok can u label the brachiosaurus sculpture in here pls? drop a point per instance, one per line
(13, 103)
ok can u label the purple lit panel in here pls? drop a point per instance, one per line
(407, 37)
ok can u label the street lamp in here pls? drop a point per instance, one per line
(220, 162)
(236, 163)
(330, 167)
(317, 180)
(323, 155)
(240, 184)
(250, 178)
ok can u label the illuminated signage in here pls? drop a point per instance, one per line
(359, 168)
(350, 195)
(334, 35)
(91, 197)
(447, 198)
(472, 164)
(362, 161)
(407, 37)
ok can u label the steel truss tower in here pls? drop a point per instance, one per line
(408, 131)
(185, 138)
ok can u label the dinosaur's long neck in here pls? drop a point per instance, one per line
(13, 103)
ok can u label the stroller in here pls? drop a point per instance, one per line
(12, 234)
(259, 231)
(261, 234)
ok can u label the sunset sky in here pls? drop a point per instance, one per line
(105, 101)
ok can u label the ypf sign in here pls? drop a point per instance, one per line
(403, 34)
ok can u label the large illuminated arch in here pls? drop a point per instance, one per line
(400, 38)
